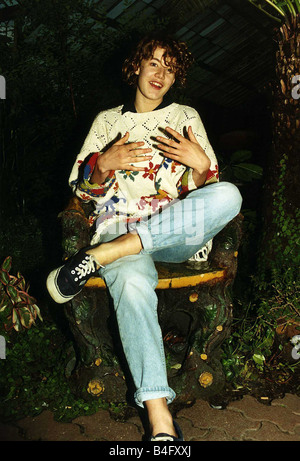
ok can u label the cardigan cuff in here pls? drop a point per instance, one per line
(86, 190)
(212, 175)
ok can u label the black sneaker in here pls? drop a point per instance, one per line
(67, 281)
(162, 437)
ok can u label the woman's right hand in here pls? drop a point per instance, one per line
(120, 156)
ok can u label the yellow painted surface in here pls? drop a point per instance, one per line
(193, 297)
(170, 282)
(189, 280)
(206, 379)
(95, 282)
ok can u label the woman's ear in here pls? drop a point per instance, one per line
(137, 71)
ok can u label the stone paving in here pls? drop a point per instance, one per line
(242, 420)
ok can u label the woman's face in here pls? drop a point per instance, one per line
(155, 77)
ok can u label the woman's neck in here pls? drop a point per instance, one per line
(146, 105)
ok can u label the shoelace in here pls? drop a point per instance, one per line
(203, 253)
(87, 266)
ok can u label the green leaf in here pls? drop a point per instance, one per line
(13, 293)
(240, 156)
(7, 263)
(15, 320)
(291, 8)
(4, 277)
(4, 303)
(21, 281)
(26, 318)
(259, 359)
(38, 312)
(297, 5)
(247, 171)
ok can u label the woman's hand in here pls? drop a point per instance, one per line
(188, 152)
(120, 156)
(185, 151)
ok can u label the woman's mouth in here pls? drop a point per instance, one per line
(156, 85)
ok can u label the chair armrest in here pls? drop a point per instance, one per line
(75, 227)
(226, 244)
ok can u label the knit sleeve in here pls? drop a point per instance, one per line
(89, 191)
(84, 165)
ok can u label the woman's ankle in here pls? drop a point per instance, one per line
(125, 245)
(160, 418)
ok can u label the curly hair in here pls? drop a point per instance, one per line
(176, 56)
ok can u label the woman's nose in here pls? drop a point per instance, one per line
(160, 72)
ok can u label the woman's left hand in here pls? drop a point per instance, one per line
(185, 151)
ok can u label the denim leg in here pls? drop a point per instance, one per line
(181, 229)
(174, 235)
(131, 281)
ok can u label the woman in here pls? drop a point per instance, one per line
(157, 198)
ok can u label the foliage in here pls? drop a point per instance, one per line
(237, 168)
(32, 377)
(254, 350)
(285, 241)
(18, 308)
(269, 297)
(249, 351)
(278, 9)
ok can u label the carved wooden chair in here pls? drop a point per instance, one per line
(194, 310)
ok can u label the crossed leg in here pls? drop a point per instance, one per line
(131, 277)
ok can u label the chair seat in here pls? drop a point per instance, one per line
(172, 275)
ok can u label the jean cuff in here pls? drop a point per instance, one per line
(141, 228)
(150, 393)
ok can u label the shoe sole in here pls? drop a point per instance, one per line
(53, 288)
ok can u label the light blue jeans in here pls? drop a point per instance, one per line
(173, 235)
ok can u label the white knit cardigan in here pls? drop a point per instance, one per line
(128, 195)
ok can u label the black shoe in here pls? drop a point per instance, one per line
(162, 437)
(67, 281)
